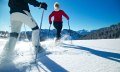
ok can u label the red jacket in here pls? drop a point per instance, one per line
(57, 16)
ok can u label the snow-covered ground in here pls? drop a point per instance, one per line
(80, 56)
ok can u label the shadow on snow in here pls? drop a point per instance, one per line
(104, 54)
(50, 64)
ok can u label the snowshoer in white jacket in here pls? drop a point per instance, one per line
(19, 14)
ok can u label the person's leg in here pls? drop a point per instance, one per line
(59, 31)
(10, 45)
(29, 21)
(58, 27)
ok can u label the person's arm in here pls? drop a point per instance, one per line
(50, 16)
(34, 3)
(65, 15)
(9, 3)
(37, 4)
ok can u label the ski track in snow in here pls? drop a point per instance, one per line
(80, 56)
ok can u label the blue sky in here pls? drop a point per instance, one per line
(84, 14)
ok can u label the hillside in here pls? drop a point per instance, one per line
(111, 32)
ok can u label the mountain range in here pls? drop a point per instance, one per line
(110, 32)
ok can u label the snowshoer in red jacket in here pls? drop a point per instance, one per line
(57, 22)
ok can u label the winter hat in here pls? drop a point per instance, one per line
(56, 6)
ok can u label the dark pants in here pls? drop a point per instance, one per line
(58, 27)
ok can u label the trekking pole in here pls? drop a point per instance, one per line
(69, 31)
(49, 31)
(41, 20)
(39, 33)
(26, 34)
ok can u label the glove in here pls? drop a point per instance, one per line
(44, 5)
(50, 22)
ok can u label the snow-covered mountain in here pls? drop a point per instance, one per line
(80, 56)
(83, 32)
(4, 34)
(110, 32)
(45, 34)
(74, 34)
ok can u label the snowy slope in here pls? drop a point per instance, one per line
(80, 56)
